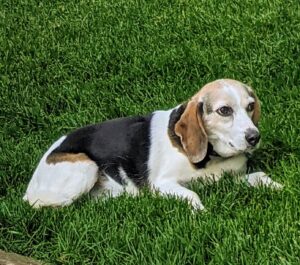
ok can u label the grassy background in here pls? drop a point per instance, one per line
(65, 64)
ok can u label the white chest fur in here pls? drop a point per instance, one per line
(217, 166)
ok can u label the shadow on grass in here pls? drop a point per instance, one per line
(268, 156)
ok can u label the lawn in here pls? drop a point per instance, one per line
(66, 64)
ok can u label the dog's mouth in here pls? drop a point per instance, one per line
(231, 144)
(229, 149)
(247, 150)
(214, 153)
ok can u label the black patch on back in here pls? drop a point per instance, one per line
(123, 142)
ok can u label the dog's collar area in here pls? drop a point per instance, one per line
(210, 152)
(214, 153)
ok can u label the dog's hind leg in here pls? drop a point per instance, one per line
(59, 180)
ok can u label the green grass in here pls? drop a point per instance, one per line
(64, 65)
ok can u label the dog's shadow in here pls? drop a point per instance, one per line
(268, 156)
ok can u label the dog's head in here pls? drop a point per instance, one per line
(224, 113)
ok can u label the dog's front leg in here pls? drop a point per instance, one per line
(259, 179)
(173, 188)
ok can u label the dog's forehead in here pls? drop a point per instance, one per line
(225, 90)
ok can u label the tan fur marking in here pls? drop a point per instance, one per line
(66, 157)
(257, 110)
(215, 86)
(191, 132)
(207, 89)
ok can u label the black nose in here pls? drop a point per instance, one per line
(252, 136)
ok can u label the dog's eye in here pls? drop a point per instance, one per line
(225, 111)
(250, 107)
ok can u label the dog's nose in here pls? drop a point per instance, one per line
(252, 136)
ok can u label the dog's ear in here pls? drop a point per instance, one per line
(256, 111)
(191, 131)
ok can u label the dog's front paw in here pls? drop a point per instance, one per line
(259, 179)
(197, 206)
(277, 186)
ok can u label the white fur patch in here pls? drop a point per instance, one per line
(129, 185)
(109, 187)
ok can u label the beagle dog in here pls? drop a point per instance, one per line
(209, 135)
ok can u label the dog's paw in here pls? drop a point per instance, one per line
(276, 186)
(197, 206)
(259, 179)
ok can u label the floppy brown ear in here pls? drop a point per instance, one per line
(256, 111)
(191, 132)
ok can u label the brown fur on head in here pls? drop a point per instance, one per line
(191, 131)
(257, 109)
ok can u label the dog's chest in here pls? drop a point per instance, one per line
(214, 169)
